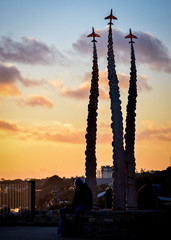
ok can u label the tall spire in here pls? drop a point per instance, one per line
(92, 124)
(130, 131)
(117, 126)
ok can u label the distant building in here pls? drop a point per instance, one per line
(104, 175)
(106, 171)
(18, 196)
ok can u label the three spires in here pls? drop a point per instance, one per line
(123, 159)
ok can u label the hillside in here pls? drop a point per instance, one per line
(54, 192)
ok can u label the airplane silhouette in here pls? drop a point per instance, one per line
(111, 17)
(131, 36)
(94, 35)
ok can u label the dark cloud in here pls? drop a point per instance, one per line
(10, 76)
(28, 51)
(149, 49)
(8, 79)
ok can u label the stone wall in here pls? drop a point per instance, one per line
(106, 224)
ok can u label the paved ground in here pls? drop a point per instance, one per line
(30, 233)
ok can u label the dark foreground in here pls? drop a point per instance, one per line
(30, 233)
(99, 224)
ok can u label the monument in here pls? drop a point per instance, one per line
(117, 126)
(92, 124)
(130, 131)
(124, 185)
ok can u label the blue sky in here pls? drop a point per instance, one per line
(60, 22)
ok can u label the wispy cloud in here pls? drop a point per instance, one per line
(83, 90)
(151, 132)
(80, 92)
(35, 101)
(142, 81)
(53, 132)
(28, 51)
(10, 76)
(149, 49)
(66, 133)
(4, 125)
(7, 90)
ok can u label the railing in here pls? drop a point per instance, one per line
(16, 197)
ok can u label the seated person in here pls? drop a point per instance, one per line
(82, 202)
(147, 196)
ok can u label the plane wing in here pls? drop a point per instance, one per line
(110, 17)
(130, 36)
(93, 35)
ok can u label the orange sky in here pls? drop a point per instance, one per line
(45, 83)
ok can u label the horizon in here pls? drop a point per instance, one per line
(81, 176)
(45, 74)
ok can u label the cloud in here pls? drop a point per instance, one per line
(66, 133)
(4, 125)
(10, 76)
(148, 49)
(35, 101)
(83, 90)
(28, 51)
(7, 90)
(152, 51)
(142, 82)
(71, 137)
(151, 132)
(52, 132)
(58, 84)
(123, 78)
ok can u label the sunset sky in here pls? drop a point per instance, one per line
(45, 74)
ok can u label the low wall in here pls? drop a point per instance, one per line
(106, 224)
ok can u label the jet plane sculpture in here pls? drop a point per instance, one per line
(131, 36)
(94, 35)
(111, 17)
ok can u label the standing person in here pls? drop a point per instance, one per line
(82, 202)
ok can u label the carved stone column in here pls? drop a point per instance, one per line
(92, 128)
(117, 128)
(130, 135)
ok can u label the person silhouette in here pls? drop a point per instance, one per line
(82, 202)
